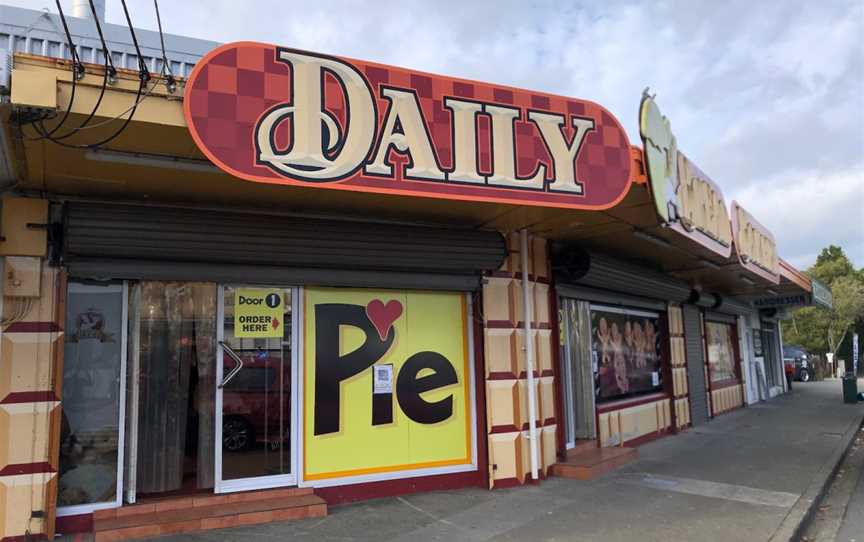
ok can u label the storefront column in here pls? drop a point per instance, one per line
(506, 367)
(31, 351)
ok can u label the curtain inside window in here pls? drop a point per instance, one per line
(177, 340)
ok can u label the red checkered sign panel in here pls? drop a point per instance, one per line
(275, 115)
(755, 245)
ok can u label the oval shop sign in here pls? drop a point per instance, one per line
(275, 115)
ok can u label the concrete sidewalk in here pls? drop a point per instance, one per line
(748, 475)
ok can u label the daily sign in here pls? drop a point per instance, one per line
(276, 115)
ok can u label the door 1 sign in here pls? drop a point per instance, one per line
(386, 376)
(258, 313)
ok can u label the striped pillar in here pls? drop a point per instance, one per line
(506, 375)
(31, 361)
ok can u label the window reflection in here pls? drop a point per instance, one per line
(256, 400)
(89, 430)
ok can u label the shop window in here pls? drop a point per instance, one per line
(174, 328)
(90, 430)
(625, 351)
(721, 351)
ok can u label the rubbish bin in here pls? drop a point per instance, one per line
(850, 389)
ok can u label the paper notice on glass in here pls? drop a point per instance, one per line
(655, 378)
(382, 378)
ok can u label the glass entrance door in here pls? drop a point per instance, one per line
(255, 388)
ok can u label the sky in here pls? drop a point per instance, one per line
(766, 97)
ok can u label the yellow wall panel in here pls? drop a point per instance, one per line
(496, 299)
(21, 240)
(546, 398)
(27, 360)
(541, 304)
(506, 451)
(539, 258)
(500, 351)
(25, 432)
(548, 439)
(515, 293)
(44, 309)
(525, 454)
(17, 494)
(543, 349)
(521, 364)
(503, 403)
(634, 422)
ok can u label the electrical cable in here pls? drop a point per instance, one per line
(110, 75)
(144, 73)
(108, 60)
(144, 77)
(39, 128)
(171, 82)
(77, 70)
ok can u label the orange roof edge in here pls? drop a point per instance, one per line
(788, 271)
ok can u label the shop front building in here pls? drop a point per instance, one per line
(294, 280)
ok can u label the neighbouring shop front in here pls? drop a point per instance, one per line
(621, 350)
(723, 360)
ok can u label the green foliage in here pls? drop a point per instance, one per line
(821, 330)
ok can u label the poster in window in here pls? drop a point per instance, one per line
(90, 425)
(721, 352)
(626, 345)
(757, 343)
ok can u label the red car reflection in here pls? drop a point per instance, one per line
(256, 401)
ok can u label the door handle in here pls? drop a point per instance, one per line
(233, 372)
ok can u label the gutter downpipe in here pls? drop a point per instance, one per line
(528, 317)
(780, 354)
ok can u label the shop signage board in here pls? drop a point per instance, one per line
(791, 300)
(822, 295)
(755, 245)
(270, 114)
(685, 198)
(258, 313)
(387, 384)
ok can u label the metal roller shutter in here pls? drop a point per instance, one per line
(720, 317)
(735, 306)
(607, 297)
(126, 241)
(695, 364)
(581, 268)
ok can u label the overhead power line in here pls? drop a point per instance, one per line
(110, 76)
(144, 77)
(77, 69)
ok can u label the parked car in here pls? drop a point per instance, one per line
(797, 361)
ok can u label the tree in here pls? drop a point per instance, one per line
(823, 330)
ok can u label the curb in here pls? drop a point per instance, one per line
(802, 511)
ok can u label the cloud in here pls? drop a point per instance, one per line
(809, 211)
(764, 96)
